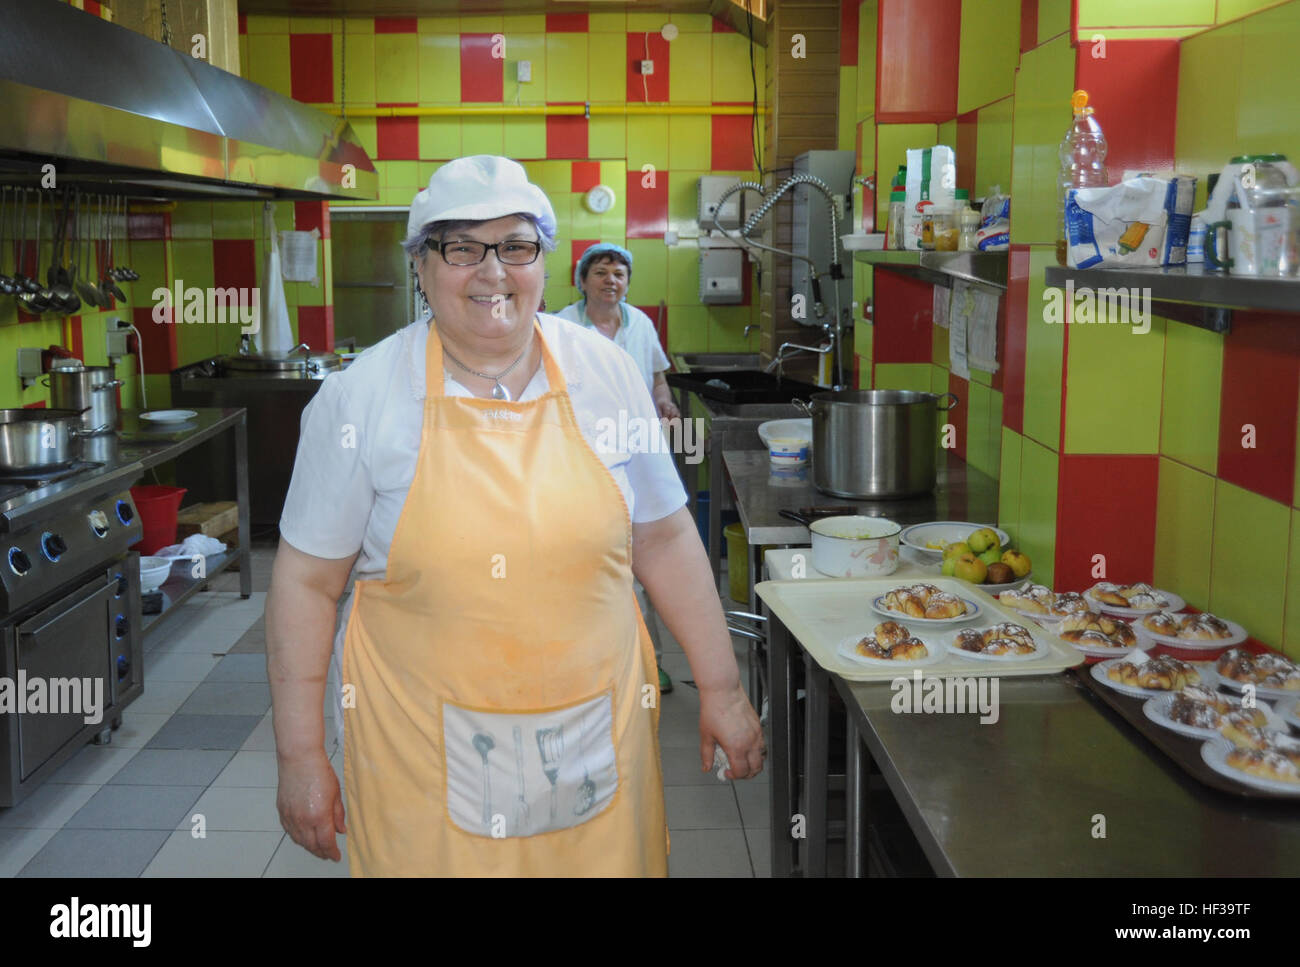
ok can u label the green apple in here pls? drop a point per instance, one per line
(992, 556)
(970, 568)
(949, 566)
(983, 539)
(956, 550)
(1018, 562)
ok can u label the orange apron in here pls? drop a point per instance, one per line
(503, 716)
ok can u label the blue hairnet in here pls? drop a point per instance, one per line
(597, 250)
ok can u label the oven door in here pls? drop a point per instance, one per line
(64, 657)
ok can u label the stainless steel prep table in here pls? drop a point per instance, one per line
(1017, 797)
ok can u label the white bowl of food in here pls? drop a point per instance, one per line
(930, 539)
(855, 546)
(153, 573)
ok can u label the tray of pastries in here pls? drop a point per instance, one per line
(1200, 712)
(1132, 600)
(890, 644)
(1271, 674)
(1190, 632)
(1098, 635)
(1141, 675)
(925, 603)
(840, 625)
(1045, 605)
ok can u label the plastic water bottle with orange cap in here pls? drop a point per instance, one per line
(1083, 163)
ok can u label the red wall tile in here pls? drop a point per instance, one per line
(967, 150)
(234, 263)
(1106, 504)
(311, 68)
(584, 175)
(396, 25)
(566, 136)
(917, 35)
(482, 77)
(1133, 89)
(654, 312)
(1261, 386)
(904, 316)
(159, 340)
(576, 248)
(848, 33)
(316, 327)
(1017, 330)
(647, 208)
(654, 85)
(312, 214)
(959, 415)
(719, 27)
(76, 340)
(93, 8)
(243, 23)
(566, 23)
(733, 143)
(397, 139)
(1028, 25)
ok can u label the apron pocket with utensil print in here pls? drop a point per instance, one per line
(522, 774)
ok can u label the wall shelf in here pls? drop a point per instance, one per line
(941, 268)
(1191, 293)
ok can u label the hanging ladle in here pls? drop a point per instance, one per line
(65, 300)
(38, 300)
(8, 286)
(89, 294)
(126, 273)
(22, 282)
(107, 285)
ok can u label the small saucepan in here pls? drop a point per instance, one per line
(854, 546)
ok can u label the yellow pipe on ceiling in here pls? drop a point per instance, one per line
(537, 110)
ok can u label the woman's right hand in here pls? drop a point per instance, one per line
(310, 804)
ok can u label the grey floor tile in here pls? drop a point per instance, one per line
(229, 698)
(184, 731)
(250, 769)
(262, 738)
(709, 852)
(238, 808)
(701, 807)
(18, 846)
(165, 767)
(93, 765)
(252, 642)
(138, 728)
(162, 697)
(85, 853)
(177, 666)
(49, 807)
(682, 768)
(292, 860)
(760, 850)
(136, 807)
(755, 798)
(218, 853)
(239, 668)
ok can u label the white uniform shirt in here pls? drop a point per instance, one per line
(636, 335)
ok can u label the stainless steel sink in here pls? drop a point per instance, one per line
(710, 362)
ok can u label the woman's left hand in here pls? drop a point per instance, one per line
(727, 719)
(667, 409)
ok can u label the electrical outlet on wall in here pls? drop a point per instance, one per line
(524, 71)
(645, 67)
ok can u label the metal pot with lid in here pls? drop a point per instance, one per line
(38, 439)
(92, 391)
(299, 363)
(875, 443)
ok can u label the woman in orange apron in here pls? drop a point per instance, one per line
(501, 707)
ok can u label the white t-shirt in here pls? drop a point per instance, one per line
(636, 335)
(343, 499)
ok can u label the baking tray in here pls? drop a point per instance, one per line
(821, 614)
(1183, 749)
(744, 386)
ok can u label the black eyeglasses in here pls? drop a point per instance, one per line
(515, 251)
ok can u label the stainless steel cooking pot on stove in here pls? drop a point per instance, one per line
(36, 440)
(92, 391)
(293, 365)
(875, 443)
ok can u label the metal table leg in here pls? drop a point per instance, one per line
(781, 759)
(755, 652)
(855, 801)
(817, 743)
(716, 484)
(241, 497)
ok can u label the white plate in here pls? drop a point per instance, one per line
(1215, 753)
(972, 611)
(1175, 604)
(1194, 644)
(1209, 678)
(1157, 710)
(1260, 690)
(168, 416)
(1096, 651)
(948, 531)
(1289, 711)
(848, 648)
(1041, 648)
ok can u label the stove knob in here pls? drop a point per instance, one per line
(123, 667)
(125, 513)
(121, 626)
(98, 523)
(122, 585)
(19, 562)
(53, 546)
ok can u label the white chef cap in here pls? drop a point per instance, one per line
(479, 188)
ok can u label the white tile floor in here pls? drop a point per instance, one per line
(187, 787)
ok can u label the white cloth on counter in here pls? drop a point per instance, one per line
(193, 546)
(636, 336)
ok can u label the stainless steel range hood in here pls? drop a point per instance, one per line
(107, 105)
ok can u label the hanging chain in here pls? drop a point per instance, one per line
(166, 28)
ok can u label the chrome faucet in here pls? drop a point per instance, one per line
(781, 356)
(749, 327)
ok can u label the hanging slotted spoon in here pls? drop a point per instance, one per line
(8, 286)
(89, 294)
(39, 299)
(108, 284)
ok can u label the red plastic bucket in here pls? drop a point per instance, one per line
(158, 507)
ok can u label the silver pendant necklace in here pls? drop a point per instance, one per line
(499, 392)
